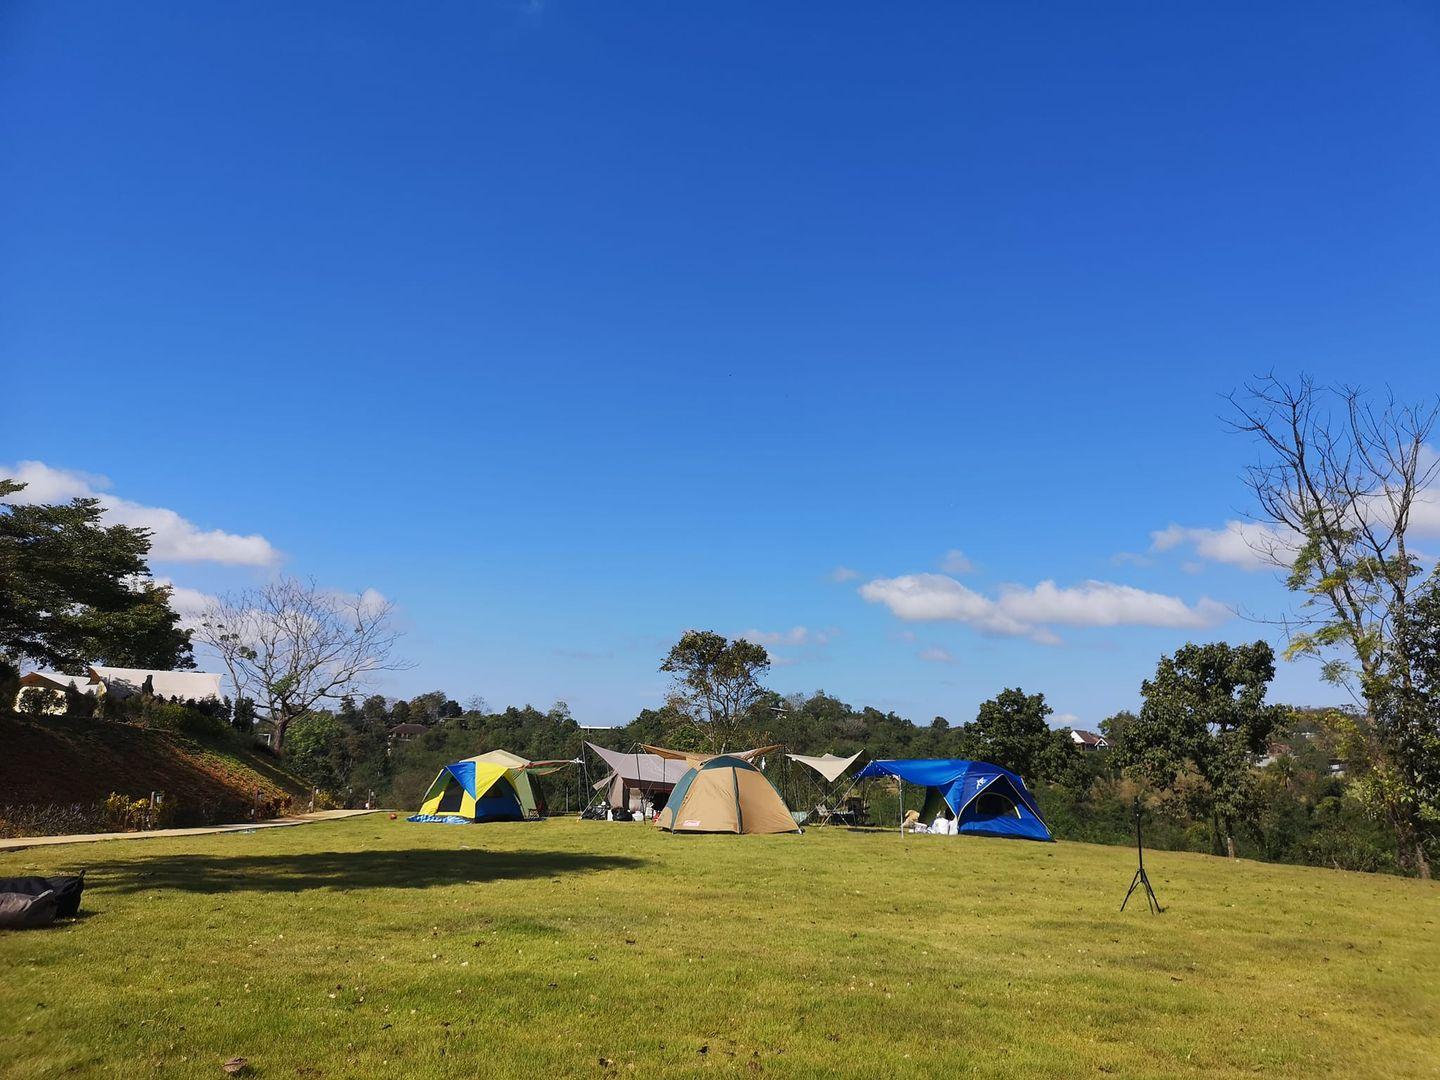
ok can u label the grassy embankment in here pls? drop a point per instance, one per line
(371, 948)
(56, 772)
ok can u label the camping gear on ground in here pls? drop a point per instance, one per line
(637, 776)
(471, 791)
(67, 889)
(830, 768)
(985, 799)
(21, 911)
(532, 800)
(726, 793)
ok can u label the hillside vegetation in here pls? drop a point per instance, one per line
(57, 773)
(370, 948)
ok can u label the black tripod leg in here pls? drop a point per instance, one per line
(1154, 900)
(1133, 882)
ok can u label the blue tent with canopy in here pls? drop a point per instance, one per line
(984, 799)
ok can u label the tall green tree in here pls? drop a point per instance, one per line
(1204, 719)
(75, 591)
(1396, 757)
(1011, 730)
(1339, 477)
(716, 690)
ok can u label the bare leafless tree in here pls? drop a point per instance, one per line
(1337, 485)
(290, 646)
(1340, 477)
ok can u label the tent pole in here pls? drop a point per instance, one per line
(902, 808)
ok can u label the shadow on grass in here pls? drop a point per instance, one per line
(418, 868)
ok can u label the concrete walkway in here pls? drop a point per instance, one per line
(17, 842)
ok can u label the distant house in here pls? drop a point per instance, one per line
(1088, 740)
(405, 732)
(122, 683)
(1273, 753)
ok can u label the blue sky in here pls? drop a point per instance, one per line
(570, 326)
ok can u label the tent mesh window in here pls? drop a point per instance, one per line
(991, 804)
(450, 801)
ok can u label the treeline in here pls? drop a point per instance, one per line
(1298, 807)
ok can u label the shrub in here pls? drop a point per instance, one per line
(125, 814)
(161, 715)
(52, 819)
(38, 700)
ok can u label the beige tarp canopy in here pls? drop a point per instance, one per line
(649, 774)
(693, 758)
(830, 766)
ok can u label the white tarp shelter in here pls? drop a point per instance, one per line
(830, 766)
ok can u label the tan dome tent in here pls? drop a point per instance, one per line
(726, 794)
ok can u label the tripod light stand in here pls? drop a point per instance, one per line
(1141, 878)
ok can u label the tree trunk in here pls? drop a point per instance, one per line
(1422, 864)
(1229, 844)
(281, 723)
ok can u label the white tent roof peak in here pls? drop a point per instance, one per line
(185, 685)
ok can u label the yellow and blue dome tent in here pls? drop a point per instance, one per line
(472, 791)
(532, 799)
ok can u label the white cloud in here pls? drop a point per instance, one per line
(1018, 611)
(1250, 545)
(797, 635)
(173, 538)
(190, 604)
(1064, 719)
(956, 561)
(1104, 603)
(843, 573)
(1130, 558)
(936, 655)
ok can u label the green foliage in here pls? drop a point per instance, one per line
(73, 591)
(1203, 723)
(124, 813)
(717, 688)
(315, 750)
(38, 700)
(1011, 730)
(190, 718)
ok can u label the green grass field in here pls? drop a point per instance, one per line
(375, 948)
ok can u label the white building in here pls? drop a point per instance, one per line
(122, 682)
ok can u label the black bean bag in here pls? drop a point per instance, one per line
(22, 911)
(67, 890)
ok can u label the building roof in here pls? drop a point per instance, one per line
(185, 685)
(409, 729)
(1088, 738)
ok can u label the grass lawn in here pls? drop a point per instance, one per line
(375, 948)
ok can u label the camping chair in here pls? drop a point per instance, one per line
(857, 811)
